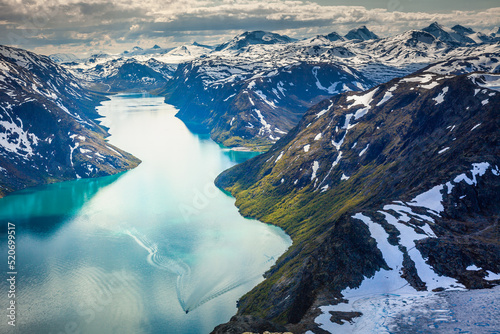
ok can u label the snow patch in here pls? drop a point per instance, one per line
(478, 169)
(324, 111)
(492, 276)
(387, 97)
(430, 85)
(440, 98)
(443, 150)
(489, 81)
(431, 199)
(315, 168)
(475, 126)
(279, 157)
(339, 143)
(473, 267)
(364, 150)
(363, 100)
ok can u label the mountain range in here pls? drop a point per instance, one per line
(218, 99)
(241, 91)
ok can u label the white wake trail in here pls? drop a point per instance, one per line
(202, 293)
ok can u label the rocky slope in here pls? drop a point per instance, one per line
(48, 131)
(392, 188)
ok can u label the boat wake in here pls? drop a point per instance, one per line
(192, 290)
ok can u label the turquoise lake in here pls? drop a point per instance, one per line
(158, 249)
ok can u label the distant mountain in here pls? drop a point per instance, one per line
(456, 36)
(396, 56)
(203, 45)
(393, 187)
(48, 128)
(333, 36)
(477, 37)
(459, 29)
(63, 57)
(97, 57)
(252, 38)
(124, 74)
(189, 51)
(207, 94)
(133, 75)
(138, 51)
(135, 70)
(361, 33)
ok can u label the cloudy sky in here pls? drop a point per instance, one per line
(80, 27)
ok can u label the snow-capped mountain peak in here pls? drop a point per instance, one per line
(417, 36)
(63, 57)
(449, 35)
(254, 37)
(460, 29)
(361, 33)
(334, 36)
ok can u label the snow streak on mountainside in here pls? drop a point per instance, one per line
(390, 190)
(47, 127)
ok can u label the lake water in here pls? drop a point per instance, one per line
(158, 249)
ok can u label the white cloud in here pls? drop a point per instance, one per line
(65, 22)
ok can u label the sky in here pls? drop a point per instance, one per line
(84, 27)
